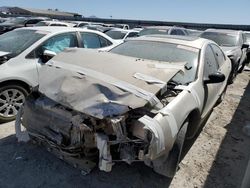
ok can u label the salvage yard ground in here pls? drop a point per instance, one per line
(218, 157)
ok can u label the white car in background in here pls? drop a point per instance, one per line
(54, 23)
(122, 34)
(233, 44)
(24, 51)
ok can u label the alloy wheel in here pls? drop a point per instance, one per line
(10, 102)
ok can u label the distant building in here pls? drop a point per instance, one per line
(37, 12)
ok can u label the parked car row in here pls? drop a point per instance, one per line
(97, 98)
(19, 22)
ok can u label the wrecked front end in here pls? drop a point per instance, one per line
(74, 136)
(86, 117)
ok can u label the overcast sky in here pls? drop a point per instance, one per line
(201, 11)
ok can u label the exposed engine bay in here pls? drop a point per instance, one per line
(85, 141)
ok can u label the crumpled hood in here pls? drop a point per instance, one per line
(102, 84)
(232, 50)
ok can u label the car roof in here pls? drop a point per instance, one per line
(227, 31)
(57, 22)
(164, 27)
(191, 41)
(125, 30)
(55, 29)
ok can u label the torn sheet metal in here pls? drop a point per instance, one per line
(150, 79)
(190, 90)
(176, 65)
(157, 144)
(105, 158)
(21, 132)
(172, 122)
(100, 84)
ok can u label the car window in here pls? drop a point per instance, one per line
(153, 31)
(32, 21)
(177, 32)
(211, 65)
(104, 42)
(174, 32)
(92, 40)
(132, 34)
(241, 39)
(55, 44)
(244, 37)
(60, 42)
(82, 24)
(220, 56)
(180, 32)
(247, 36)
(114, 34)
(62, 25)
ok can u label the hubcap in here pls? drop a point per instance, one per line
(10, 102)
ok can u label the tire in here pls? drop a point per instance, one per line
(221, 97)
(170, 165)
(242, 68)
(11, 98)
(234, 73)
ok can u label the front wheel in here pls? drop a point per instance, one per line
(170, 164)
(222, 96)
(11, 99)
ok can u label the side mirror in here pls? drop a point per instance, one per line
(47, 55)
(244, 46)
(214, 78)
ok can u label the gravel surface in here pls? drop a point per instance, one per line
(217, 158)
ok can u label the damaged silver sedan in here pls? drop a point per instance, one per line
(138, 102)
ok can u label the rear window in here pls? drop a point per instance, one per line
(153, 31)
(116, 34)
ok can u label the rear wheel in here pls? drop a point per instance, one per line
(233, 73)
(11, 99)
(242, 67)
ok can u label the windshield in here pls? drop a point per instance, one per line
(116, 34)
(21, 38)
(163, 53)
(15, 21)
(153, 31)
(222, 39)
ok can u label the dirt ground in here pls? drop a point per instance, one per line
(218, 157)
